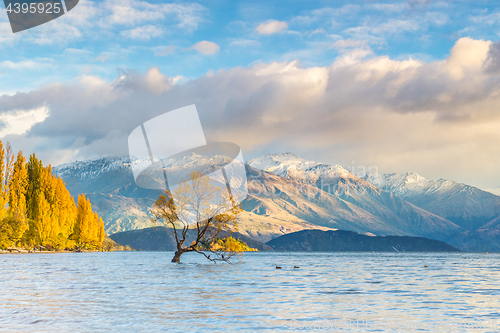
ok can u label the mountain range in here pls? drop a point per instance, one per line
(466, 206)
(289, 194)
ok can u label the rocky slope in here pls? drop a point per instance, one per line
(369, 207)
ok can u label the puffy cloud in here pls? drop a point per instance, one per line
(17, 122)
(206, 47)
(400, 115)
(271, 27)
(153, 81)
(467, 54)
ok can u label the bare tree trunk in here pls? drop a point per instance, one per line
(177, 256)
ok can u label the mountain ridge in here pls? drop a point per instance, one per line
(464, 205)
(289, 195)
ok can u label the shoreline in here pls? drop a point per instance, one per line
(45, 252)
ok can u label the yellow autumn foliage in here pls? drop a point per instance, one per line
(230, 244)
(36, 209)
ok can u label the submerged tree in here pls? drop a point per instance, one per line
(203, 209)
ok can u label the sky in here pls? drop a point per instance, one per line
(403, 86)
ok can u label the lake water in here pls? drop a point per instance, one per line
(344, 292)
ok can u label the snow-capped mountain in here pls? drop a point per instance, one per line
(110, 185)
(359, 207)
(288, 193)
(93, 168)
(399, 184)
(179, 168)
(291, 166)
(465, 205)
(383, 208)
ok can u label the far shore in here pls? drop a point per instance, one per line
(19, 251)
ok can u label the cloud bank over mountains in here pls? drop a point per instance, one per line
(439, 118)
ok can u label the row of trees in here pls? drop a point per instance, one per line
(37, 209)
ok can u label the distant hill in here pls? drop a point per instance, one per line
(110, 244)
(163, 239)
(340, 240)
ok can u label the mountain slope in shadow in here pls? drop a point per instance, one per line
(341, 240)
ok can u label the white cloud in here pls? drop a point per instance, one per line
(244, 42)
(32, 64)
(97, 20)
(6, 35)
(388, 7)
(17, 122)
(206, 47)
(73, 52)
(467, 54)
(153, 81)
(317, 31)
(271, 27)
(330, 12)
(348, 43)
(145, 32)
(26, 64)
(132, 12)
(488, 19)
(391, 26)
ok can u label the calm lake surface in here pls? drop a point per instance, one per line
(345, 292)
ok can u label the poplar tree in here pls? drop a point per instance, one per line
(86, 225)
(18, 188)
(43, 219)
(36, 208)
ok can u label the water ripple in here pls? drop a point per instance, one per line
(354, 292)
